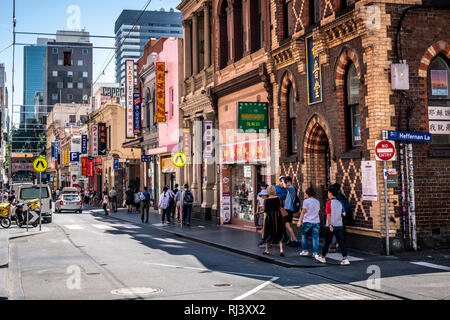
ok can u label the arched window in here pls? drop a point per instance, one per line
(292, 128)
(223, 35)
(352, 107)
(439, 101)
(287, 18)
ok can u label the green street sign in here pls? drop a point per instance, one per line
(252, 117)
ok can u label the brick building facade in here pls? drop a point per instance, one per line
(329, 141)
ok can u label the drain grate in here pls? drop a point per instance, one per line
(141, 291)
(222, 285)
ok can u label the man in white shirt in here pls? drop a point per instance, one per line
(310, 222)
(113, 197)
(165, 203)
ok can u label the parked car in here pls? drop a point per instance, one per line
(69, 202)
(69, 190)
(27, 192)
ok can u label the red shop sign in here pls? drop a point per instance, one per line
(90, 168)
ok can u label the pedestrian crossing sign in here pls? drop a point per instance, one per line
(179, 159)
(40, 164)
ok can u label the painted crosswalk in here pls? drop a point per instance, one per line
(431, 265)
(338, 256)
(99, 226)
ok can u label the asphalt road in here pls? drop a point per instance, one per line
(84, 256)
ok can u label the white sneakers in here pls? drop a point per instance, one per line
(345, 262)
(320, 259)
(304, 253)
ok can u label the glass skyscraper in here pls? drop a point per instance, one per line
(152, 24)
(33, 79)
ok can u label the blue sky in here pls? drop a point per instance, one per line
(97, 16)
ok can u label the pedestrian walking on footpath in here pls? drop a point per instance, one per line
(105, 202)
(86, 197)
(274, 229)
(129, 199)
(164, 204)
(137, 200)
(113, 197)
(310, 222)
(262, 196)
(187, 200)
(258, 217)
(334, 226)
(145, 204)
(174, 204)
(289, 206)
(178, 204)
(280, 189)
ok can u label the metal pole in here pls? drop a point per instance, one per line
(386, 207)
(40, 200)
(412, 206)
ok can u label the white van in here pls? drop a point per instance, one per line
(31, 191)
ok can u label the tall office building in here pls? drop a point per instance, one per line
(130, 41)
(33, 77)
(68, 69)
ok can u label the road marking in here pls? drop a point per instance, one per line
(431, 265)
(325, 291)
(170, 241)
(103, 227)
(261, 286)
(73, 227)
(338, 256)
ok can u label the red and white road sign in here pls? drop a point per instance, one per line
(384, 150)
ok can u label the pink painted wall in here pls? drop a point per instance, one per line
(168, 132)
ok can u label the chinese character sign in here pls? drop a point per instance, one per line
(439, 119)
(129, 67)
(253, 116)
(56, 149)
(101, 139)
(84, 144)
(160, 92)
(95, 140)
(84, 161)
(187, 142)
(137, 113)
(314, 72)
(208, 138)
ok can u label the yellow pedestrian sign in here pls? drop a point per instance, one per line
(179, 159)
(40, 164)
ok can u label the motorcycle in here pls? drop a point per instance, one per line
(26, 211)
(5, 220)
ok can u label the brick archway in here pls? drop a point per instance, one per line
(435, 49)
(347, 55)
(310, 137)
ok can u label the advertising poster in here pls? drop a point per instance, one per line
(439, 83)
(160, 92)
(226, 195)
(129, 87)
(369, 180)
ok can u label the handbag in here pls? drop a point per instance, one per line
(283, 211)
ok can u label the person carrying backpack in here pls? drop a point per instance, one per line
(164, 203)
(289, 206)
(187, 200)
(145, 200)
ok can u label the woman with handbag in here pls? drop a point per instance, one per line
(274, 229)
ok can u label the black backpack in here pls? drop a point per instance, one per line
(296, 202)
(188, 198)
(347, 207)
(171, 200)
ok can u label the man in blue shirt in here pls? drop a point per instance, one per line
(281, 191)
(289, 206)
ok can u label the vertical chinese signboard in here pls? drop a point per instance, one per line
(208, 138)
(84, 161)
(102, 139)
(252, 117)
(129, 67)
(160, 92)
(226, 194)
(83, 144)
(90, 168)
(137, 113)
(187, 142)
(56, 149)
(313, 72)
(95, 140)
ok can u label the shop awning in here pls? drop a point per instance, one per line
(133, 143)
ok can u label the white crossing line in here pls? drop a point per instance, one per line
(103, 227)
(338, 256)
(73, 227)
(261, 286)
(158, 224)
(325, 291)
(431, 265)
(170, 240)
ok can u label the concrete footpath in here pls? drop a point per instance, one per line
(235, 240)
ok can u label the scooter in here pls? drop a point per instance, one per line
(26, 211)
(5, 220)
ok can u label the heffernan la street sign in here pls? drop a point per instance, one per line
(409, 136)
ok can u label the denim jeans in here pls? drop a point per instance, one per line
(187, 214)
(313, 228)
(339, 233)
